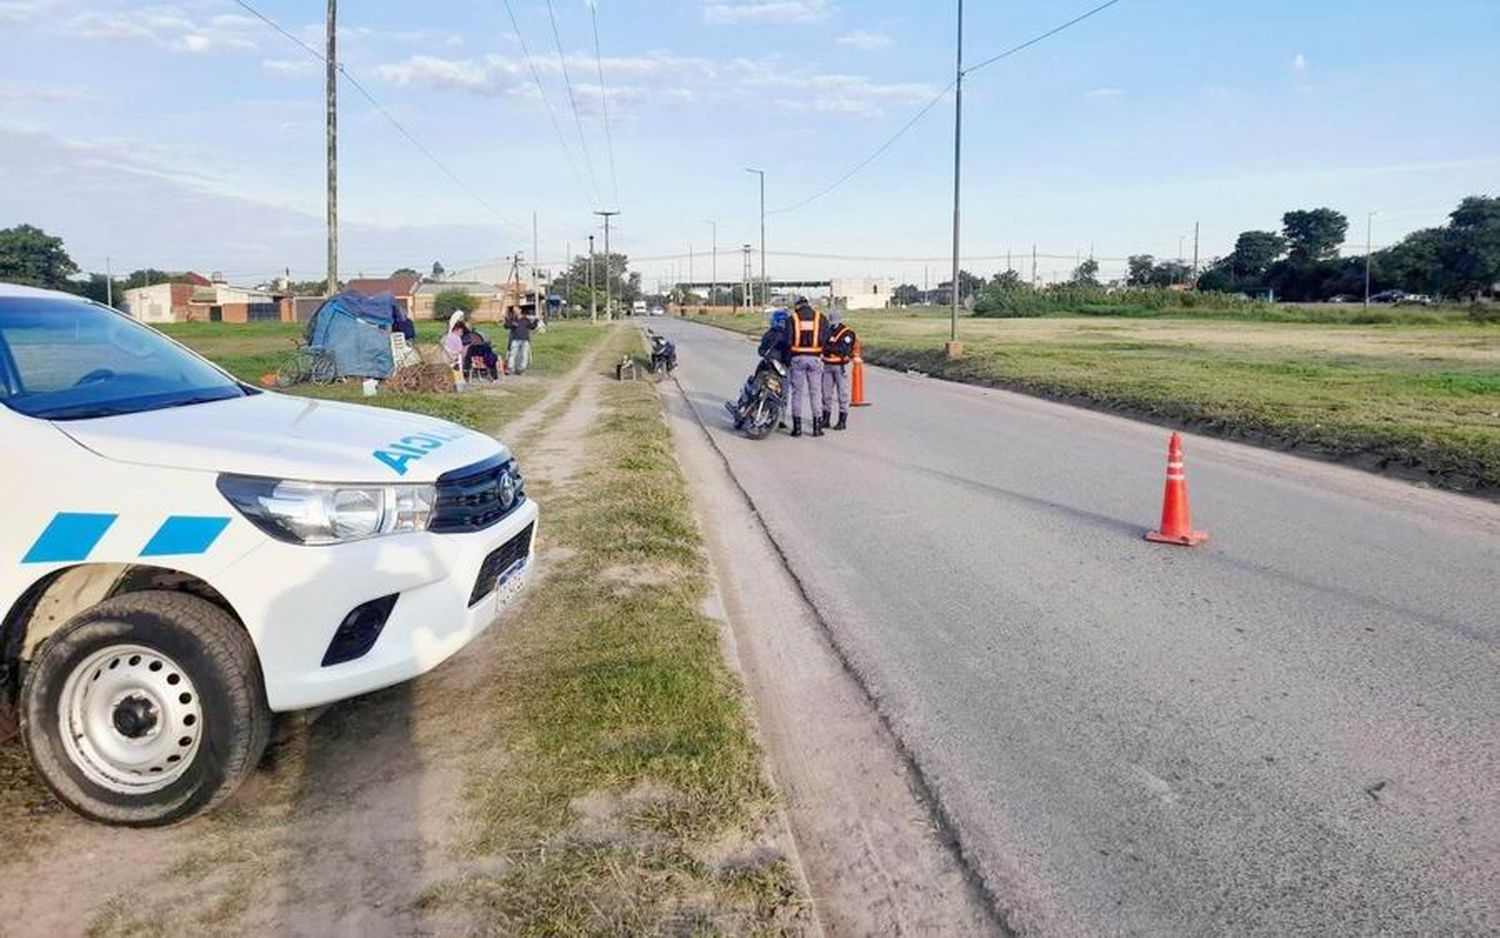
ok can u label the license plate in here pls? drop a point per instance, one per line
(511, 583)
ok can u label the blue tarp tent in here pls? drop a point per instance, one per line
(356, 329)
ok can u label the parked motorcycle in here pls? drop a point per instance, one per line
(759, 411)
(663, 355)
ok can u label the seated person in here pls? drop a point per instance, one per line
(479, 354)
(775, 345)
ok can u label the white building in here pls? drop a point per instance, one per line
(862, 292)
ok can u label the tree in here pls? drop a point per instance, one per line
(1141, 267)
(99, 289)
(1254, 253)
(908, 294)
(1471, 257)
(1415, 264)
(1314, 235)
(624, 286)
(437, 270)
(1008, 280)
(30, 256)
(968, 285)
(1086, 274)
(449, 302)
(405, 272)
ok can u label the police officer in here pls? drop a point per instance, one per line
(809, 334)
(837, 353)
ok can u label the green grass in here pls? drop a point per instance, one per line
(614, 690)
(252, 350)
(1416, 400)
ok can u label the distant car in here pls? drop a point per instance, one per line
(658, 311)
(1341, 298)
(1421, 299)
(1388, 296)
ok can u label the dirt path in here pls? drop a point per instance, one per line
(354, 816)
(874, 852)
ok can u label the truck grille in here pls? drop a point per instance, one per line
(499, 561)
(477, 497)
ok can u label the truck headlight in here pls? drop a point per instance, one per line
(315, 514)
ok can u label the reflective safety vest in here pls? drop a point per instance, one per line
(840, 345)
(807, 332)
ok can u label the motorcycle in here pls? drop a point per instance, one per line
(663, 355)
(759, 412)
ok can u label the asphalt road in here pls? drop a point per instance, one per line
(1294, 728)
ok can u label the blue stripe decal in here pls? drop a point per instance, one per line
(69, 538)
(182, 535)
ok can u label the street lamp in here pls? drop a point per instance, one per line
(713, 261)
(1369, 243)
(763, 284)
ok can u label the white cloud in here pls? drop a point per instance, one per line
(767, 11)
(21, 91)
(21, 11)
(166, 26)
(298, 67)
(1104, 94)
(492, 76)
(866, 40)
(1300, 63)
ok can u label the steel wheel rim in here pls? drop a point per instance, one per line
(130, 719)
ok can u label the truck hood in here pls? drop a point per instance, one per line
(284, 437)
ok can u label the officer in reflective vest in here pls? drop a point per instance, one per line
(809, 334)
(838, 351)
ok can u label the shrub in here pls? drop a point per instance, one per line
(449, 302)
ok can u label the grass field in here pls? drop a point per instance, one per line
(1420, 400)
(253, 350)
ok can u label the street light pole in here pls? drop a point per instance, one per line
(713, 264)
(764, 296)
(1369, 243)
(954, 349)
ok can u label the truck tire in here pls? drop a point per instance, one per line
(146, 710)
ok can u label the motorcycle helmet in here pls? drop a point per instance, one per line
(779, 318)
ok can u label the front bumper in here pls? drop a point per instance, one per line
(292, 600)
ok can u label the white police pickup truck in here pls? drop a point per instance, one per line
(182, 555)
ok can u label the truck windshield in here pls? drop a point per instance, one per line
(63, 359)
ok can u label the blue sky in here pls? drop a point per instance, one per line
(189, 134)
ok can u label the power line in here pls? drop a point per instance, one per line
(365, 92)
(905, 128)
(873, 156)
(562, 139)
(1046, 35)
(609, 136)
(562, 60)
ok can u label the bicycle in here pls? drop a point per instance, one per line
(309, 365)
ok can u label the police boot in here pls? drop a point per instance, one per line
(796, 426)
(817, 426)
(843, 423)
(826, 420)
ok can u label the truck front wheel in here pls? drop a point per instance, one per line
(145, 710)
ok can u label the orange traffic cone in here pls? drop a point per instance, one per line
(857, 382)
(1176, 516)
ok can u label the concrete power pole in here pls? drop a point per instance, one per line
(608, 267)
(954, 349)
(593, 300)
(713, 263)
(536, 278)
(1195, 254)
(333, 148)
(764, 284)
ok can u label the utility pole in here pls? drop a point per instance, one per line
(749, 275)
(690, 267)
(1369, 244)
(536, 280)
(608, 265)
(954, 349)
(713, 264)
(1195, 254)
(109, 284)
(593, 300)
(1034, 282)
(331, 56)
(764, 284)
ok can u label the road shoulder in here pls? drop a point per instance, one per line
(875, 851)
